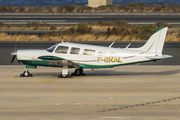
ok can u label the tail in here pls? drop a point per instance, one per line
(156, 41)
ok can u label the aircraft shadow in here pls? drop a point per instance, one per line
(115, 73)
(111, 73)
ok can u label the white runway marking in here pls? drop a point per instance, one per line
(102, 98)
(67, 104)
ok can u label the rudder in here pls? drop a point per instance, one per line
(156, 41)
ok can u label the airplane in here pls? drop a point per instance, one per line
(72, 55)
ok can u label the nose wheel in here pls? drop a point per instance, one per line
(78, 72)
(26, 74)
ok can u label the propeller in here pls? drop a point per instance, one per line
(14, 56)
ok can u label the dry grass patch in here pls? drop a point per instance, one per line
(173, 37)
(6, 37)
(97, 27)
(85, 37)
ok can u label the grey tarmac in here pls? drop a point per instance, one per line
(61, 19)
(135, 92)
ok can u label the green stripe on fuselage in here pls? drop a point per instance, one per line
(110, 65)
(50, 58)
(47, 64)
(36, 63)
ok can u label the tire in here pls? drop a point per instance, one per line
(30, 75)
(83, 74)
(59, 76)
(78, 72)
(21, 75)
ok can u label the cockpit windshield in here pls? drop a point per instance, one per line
(51, 49)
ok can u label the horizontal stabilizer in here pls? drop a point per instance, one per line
(166, 56)
(158, 57)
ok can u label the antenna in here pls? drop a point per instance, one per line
(62, 39)
(128, 46)
(111, 44)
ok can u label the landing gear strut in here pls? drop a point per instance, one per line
(64, 73)
(26, 73)
(64, 76)
(78, 72)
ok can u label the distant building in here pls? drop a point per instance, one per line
(97, 3)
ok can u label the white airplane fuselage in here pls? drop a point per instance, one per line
(103, 57)
(73, 55)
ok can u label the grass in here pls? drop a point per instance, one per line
(118, 30)
(85, 37)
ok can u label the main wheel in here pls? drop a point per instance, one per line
(21, 75)
(78, 72)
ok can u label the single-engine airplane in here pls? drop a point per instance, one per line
(80, 56)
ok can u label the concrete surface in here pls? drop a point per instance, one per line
(121, 93)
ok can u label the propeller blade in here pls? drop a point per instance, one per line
(18, 60)
(13, 58)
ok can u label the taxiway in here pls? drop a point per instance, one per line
(120, 93)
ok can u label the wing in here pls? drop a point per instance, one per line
(58, 61)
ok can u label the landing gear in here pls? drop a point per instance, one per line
(64, 76)
(26, 73)
(78, 72)
(64, 73)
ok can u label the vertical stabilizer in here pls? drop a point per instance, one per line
(156, 41)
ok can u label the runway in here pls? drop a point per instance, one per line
(120, 93)
(75, 18)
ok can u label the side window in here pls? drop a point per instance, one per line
(102, 53)
(75, 50)
(89, 52)
(62, 49)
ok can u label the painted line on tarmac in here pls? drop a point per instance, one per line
(67, 103)
(45, 81)
(94, 105)
(144, 104)
(102, 98)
